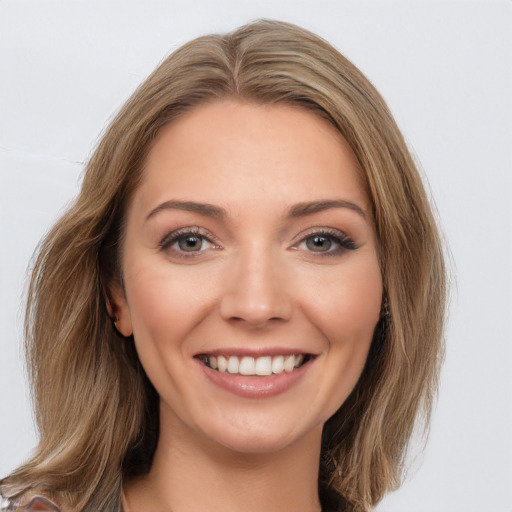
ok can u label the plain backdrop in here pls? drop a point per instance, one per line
(445, 69)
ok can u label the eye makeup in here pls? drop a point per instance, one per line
(325, 242)
(188, 242)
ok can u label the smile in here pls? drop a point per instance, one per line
(255, 366)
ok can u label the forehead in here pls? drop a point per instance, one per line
(229, 152)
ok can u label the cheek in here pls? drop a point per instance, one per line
(163, 303)
(350, 337)
(346, 306)
(148, 297)
(162, 310)
(346, 310)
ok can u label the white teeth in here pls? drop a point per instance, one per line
(289, 363)
(263, 366)
(247, 365)
(222, 364)
(277, 364)
(233, 364)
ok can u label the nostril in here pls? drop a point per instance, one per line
(254, 294)
(256, 323)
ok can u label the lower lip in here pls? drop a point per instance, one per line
(255, 386)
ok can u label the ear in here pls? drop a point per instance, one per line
(117, 308)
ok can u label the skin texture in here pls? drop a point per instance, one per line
(252, 278)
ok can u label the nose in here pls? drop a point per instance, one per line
(256, 292)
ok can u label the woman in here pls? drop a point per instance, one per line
(243, 308)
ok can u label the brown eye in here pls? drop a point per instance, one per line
(318, 243)
(190, 243)
(326, 242)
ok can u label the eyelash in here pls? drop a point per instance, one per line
(174, 237)
(339, 238)
(341, 241)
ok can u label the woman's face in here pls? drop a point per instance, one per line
(252, 285)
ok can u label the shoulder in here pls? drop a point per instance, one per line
(34, 503)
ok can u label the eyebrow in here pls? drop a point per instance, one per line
(208, 210)
(308, 208)
(298, 210)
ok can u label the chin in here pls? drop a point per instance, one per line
(263, 437)
(256, 443)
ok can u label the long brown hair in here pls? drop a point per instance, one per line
(96, 411)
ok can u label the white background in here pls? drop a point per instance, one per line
(444, 68)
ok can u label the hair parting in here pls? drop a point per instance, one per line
(96, 411)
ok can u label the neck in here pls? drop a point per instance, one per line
(193, 474)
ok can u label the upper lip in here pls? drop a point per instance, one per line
(254, 352)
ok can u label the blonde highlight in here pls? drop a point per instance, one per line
(95, 408)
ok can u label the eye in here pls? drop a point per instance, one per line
(319, 243)
(326, 242)
(190, 243)
(187, 242)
